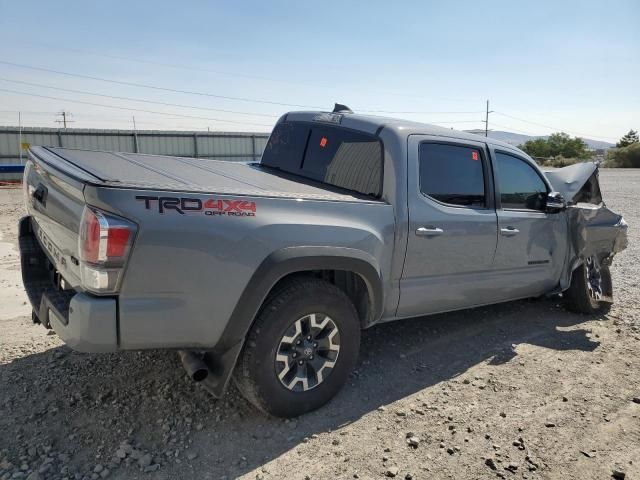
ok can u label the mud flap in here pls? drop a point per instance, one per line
(220, 369)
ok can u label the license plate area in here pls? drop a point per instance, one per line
(41, 280)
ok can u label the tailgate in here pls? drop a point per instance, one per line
(54, 199)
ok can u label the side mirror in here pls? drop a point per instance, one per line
(555, 203)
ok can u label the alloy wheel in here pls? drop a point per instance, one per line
(307, 352)
(594, 278)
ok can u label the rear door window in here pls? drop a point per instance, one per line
(452, 174)
(335, 156)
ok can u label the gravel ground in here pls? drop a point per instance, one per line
(520, 390)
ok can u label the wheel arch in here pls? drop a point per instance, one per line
(301, 260)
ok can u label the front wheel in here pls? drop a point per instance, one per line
(591, 288)
(300, 350)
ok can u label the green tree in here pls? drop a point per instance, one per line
(557, 145)
(563, 144)
(629, 139)
(624, 157)
(536, 148)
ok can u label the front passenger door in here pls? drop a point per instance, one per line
(531, 242)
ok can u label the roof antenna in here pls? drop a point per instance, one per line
(339, 108)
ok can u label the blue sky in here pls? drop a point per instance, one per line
(571, 65)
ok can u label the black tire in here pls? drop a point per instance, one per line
(256, 373)
(579, 297)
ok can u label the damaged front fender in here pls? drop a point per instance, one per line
(593, 229)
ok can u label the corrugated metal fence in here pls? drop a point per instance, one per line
(238, 146)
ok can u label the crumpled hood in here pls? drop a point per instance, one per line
(568, 181)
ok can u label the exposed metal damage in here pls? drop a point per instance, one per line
(596, 233)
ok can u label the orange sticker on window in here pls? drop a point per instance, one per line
(323, 142)
(474, 155)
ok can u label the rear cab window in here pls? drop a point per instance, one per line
(452, 174)
(335, 156)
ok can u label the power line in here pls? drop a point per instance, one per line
(104, 118)
(84, 92)
(131, 99)
(123, 121)
(238, 98)
(81, 116)
(217, 72)
(177, 65)
(206, 94)
(147, 122)
(29, 112)
(173, 90)
(550, 127)
(418, 112)
(515, 130)
(132, 109)
(454, 121)
(518, 131)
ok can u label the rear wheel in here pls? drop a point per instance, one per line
(591, 288)
(301, 349)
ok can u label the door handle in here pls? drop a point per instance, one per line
(509, 231)
(429, 231)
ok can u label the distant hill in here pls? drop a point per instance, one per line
(518, 138)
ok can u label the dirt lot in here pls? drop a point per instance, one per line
(521, 390)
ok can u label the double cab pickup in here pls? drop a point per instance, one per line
(266, 272)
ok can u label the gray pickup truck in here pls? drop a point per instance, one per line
(267, 272)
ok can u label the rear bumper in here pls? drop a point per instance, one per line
(84, 322)
(90, 326)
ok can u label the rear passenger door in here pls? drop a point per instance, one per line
(531, 242)
(452, 226)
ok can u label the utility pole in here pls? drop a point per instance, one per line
(135, 135)
(486, 120)
(20, 135)
(64, 114)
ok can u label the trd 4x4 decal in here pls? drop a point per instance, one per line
(230, 206)
(210, 206)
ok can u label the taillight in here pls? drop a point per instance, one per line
(90, 236)
(117, 241)
(104, 244)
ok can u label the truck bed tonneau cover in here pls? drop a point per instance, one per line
(162, 172)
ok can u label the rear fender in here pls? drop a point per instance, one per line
(221, 361)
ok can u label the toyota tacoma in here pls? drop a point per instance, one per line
(266, 272)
